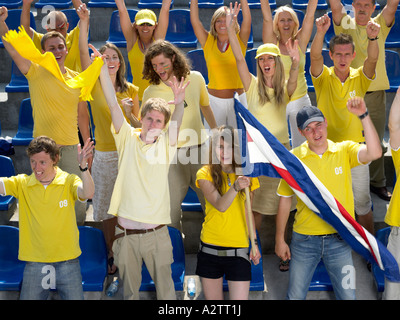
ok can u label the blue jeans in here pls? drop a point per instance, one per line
(39, 278)
(307, 251)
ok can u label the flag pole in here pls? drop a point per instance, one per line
(250, 220)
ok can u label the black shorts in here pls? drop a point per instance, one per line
(214, 267)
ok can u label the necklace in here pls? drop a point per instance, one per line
(229, 180)
(48, 181)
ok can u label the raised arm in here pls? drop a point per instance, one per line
(389, 11)
(316, 58)
(372, 49)
(127, 27)
(22, 63)
(268, 34)
(245, 28)
(163, 20)
(198, 27)
(26, 16)
(337, 11)
(86, 189)
(372, 149)
(394, 122)
(83, 14)
(294, 68)
(304, 34)
(244, 73)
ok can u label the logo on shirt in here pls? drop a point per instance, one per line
(63, 203)
(338, 170)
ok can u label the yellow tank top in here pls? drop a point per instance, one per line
(136, 60)
(222, 69)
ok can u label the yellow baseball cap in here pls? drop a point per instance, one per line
(146, 16)
(268, 48)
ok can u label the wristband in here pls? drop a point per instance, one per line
(363, 115)
(373, 39)
(84, 169)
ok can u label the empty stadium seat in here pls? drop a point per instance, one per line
(327, 61)
(257, 274)
(13, 21)
(180, 31)
(18, 82)
(191, 201)
(393, 69)
(255, 4)
(302, 4)
(11, 269)
(11, 4)
(198, 63)
(251, 61)
(393, 39)
(151, 4)
(58, 4)
(382, 235)
(93, 259)
(6, 170)
(102, 4)
(210, 3)
(177, 267)
(320, 280)
(25, 124)
(115, 32)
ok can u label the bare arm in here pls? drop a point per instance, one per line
(281, 248)
(209, 116)
(316, 58)
(337, 11)
(304, 34)
(394, 122)
(26, 16)
(198, 27)
(294, 68)
(127, 27)
(83, 14)
(86, 189)
(245, 27)
(268, 35)
(372, 149)
(389, 11)
(163, 20)
(372, 49)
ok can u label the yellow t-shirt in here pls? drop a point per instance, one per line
(392, 217)
(332, 96)
(229, 228)
(191, 132)
(301, 89)
(102, 116)
(73, 59)
(270, 115)
(136, 61)
(333, 169)
(47, 222)
(222, 69)
(359, 34)
(141, 191)
(54, 105)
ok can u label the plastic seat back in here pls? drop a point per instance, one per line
(213, 4)
(102, 4)
(11, 4)
(58, 4)
(191, 202)
(6, 170)
(25, 124)
(198, 62)
(180, 31)
(392, 61)
(115, 32)
(151, 4)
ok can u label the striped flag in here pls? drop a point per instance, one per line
(263, 154)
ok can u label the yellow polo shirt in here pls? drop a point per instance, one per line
(54, 105)
(141, 191)
(359, 34)
(332, 96)
(191, 131)
(333, 169)
(392, 217)
(229, 228)
(47, 222)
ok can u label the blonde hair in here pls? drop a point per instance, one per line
(156, 104)
(278, 83)
(220, 12)
(293, 14)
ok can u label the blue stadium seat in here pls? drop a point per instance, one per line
(6, 170)
(257, 274)
(58, 4)
(191, 201)
(25, 124)
(327, 61)
(102, 4)
(393, 69)
(320, 280)
(302, 4)
(180, 31)
(11, 269)
(255, 4)
(198, 62)
(13, 21)
(393, 39)
(210, 3)
(382, 235)
(93, 259)
(11, 4)
(252, 61)
(177, 267)
(115, 32)
(250, 42)
(18, 82)
(151, 4)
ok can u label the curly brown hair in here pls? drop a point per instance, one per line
(180, 63)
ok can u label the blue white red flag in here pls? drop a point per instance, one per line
(263, 154)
